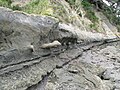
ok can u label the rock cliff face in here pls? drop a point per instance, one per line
(82, 60)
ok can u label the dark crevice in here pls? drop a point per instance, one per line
(34, 59)
(101, 75)
(41, 84)
(74, 72)
(58, 67)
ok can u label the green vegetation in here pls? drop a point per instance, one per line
(94, 26)
(89, 11)
(91, 15)
(111, 15)
(88, 7)
(5, 3)
(37, 7)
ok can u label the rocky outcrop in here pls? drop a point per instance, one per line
(24, 65)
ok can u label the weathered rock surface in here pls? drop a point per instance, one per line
(24, 65)
(106, 56)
